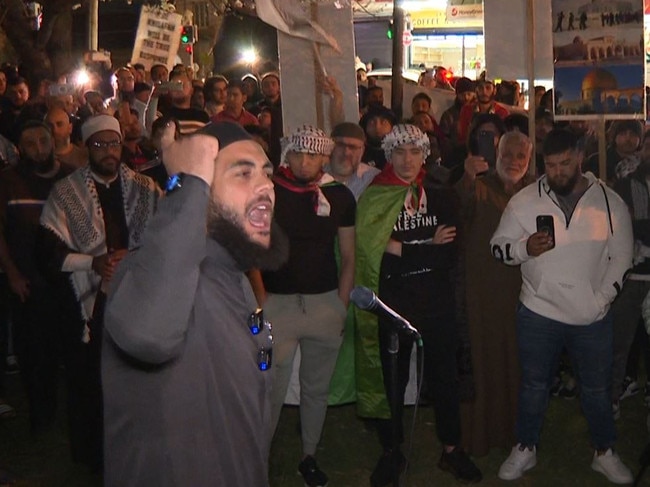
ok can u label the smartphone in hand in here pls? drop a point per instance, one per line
(62, 89)
(486, 148)
(546, 224)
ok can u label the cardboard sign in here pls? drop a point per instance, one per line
(158, 37)
(301, 67)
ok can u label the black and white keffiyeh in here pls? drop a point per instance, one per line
(310, 140)
(307, 139)
(403, 134)
(74, 214)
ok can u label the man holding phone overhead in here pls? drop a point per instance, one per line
(573, 238)
(484, 135)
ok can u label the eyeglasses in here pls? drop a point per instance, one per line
(106, 145)
(256, 324)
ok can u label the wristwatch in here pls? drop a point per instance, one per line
(174, 182)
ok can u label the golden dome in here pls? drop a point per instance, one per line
(599, 79)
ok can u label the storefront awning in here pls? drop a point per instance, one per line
(448, 31)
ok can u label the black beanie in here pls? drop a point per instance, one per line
(225, 132)
(464, 85)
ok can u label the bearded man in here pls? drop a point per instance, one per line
(488, 418)
(23, 191)
(345, 164)
(571, 273)
(90, 221)
(186, 356)
(485, 103)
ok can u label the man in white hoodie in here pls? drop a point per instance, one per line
(570, 277)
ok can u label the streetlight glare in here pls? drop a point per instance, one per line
(81, 77)
(249, 56)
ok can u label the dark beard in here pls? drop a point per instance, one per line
(224, 228)
(98, 169)
(568, 187)
(32, 165)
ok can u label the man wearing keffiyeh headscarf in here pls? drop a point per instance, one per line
(308, 297)
(406, 251)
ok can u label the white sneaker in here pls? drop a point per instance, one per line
(630, 388)
(611, 466)
(520, 460)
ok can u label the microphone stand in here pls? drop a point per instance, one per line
(394, 399)
(393, 351)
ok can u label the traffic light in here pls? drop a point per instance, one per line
(188, 49)
(390, 32)
(187, 34)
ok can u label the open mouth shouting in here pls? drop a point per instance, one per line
(260, 214)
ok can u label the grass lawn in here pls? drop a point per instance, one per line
(350, 449)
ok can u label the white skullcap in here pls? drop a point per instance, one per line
(403, 134)
(307, 139)
(99, 123)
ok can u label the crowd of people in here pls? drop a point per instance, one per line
(172, 249)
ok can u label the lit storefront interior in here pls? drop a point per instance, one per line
(463, 53)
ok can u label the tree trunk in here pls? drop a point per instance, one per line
(35, 63)
(55, 35)
(45, 54)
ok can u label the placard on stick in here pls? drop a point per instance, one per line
(157, 38)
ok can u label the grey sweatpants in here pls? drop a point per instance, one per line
(315, 322)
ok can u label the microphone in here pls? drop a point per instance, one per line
(367, 300)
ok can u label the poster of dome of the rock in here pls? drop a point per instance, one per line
(599, 59)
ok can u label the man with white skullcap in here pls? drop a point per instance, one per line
(308, 297)
(89, 222)
(406, 240)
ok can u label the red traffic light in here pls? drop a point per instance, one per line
(188, 49)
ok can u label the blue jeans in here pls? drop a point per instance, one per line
(540, 341)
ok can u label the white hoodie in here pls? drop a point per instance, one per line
(576, 281)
